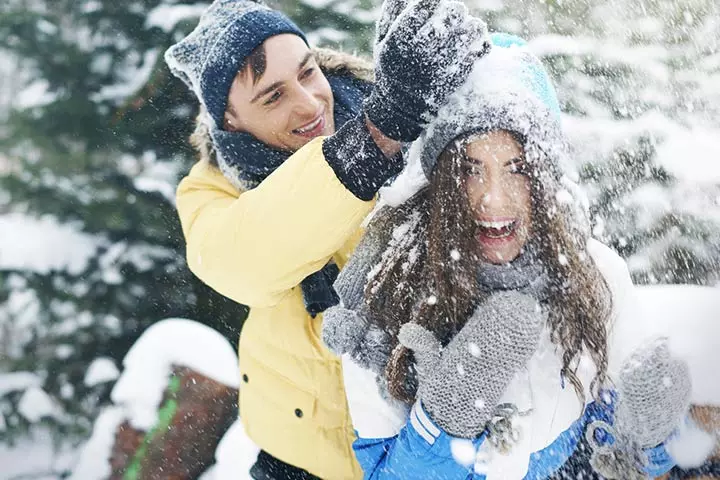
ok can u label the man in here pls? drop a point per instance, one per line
(296, 146)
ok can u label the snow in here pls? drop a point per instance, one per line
(43, 245)
(133, 76)
(149, 174)
(692, 446)
(649, 59)
(686, 155)
(35, 458)
(149, 363)
(326, 35)
(93, 460)
(34, 95)
(411, 179)
(463, 451)
(319, 4)
(35, 404)
(18, 381)
(101, 370)
(166, 17)
(234, 456)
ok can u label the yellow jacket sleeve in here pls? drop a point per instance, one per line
(255, 246)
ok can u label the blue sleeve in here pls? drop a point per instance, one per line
(659, 461)
(420, 450)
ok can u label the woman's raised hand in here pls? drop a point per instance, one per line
(460, 385)
(653, 398)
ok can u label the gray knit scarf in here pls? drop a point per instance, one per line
(525, 274)
(346, 328)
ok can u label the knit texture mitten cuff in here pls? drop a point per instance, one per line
(357, 161)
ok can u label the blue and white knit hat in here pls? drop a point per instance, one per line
(508, 89)
(208, 59)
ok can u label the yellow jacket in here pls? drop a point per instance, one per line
(256, 247)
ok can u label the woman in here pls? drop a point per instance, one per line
(481, 326)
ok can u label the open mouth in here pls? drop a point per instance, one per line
(312, 129)
(497, 229)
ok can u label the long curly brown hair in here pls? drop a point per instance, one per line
(421, 278)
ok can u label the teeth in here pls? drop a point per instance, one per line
(310, 127)
(497, 225)
(502, 235)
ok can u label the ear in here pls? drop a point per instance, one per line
(228, 121)
(231, 122)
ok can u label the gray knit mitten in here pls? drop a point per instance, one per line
(346, 331)
(460, 385)
(653, 398)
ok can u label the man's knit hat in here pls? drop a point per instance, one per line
(509, 89)
(208, 59)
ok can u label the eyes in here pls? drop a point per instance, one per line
(278, 93)
(473, 168)
(308, 72)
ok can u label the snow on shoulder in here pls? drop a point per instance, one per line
(168, 343)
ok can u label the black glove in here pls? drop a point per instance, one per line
(421, 58)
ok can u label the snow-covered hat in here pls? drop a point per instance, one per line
(208, 59)
(508, 89)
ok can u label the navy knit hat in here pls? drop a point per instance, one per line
(208, 59)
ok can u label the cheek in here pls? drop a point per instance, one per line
(280, 119)
(521, 195)
(473, 189)
(524, 205)
(322, 88)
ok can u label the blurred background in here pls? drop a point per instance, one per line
(93, 141)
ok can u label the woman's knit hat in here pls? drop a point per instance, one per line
(208, 59)
(508, 89)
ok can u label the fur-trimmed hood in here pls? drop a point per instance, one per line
(331, 62)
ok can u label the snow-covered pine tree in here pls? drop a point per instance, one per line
(640, 83)
(93, 145)
(348, 25)
(94, 140)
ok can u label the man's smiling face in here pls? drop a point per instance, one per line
(288, 103)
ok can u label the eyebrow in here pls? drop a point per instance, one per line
(275, 85)
(513, 161)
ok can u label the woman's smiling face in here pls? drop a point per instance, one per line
(498, 190)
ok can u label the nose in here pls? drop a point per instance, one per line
(306, 104)
(492, 196)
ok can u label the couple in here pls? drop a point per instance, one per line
(474, 322)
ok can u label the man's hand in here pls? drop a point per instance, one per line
(421, 58)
